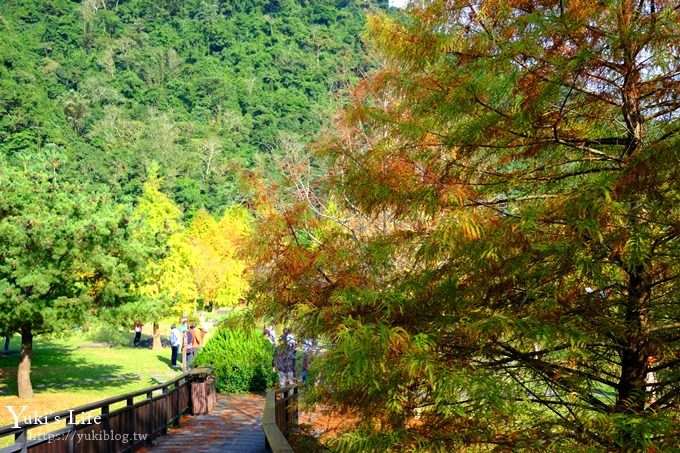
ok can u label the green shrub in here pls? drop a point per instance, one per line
(242, 359)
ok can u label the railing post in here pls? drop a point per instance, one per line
(178, 395)
(149, 397)
(286, 411)
(107, 427)
(130, 404)
(295, 402)
(191, 395)
(164, 430)
(22, 437)
(72, 442)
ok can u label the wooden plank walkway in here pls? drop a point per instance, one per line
(234, 426)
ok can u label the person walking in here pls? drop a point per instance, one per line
(289, 338)
(192, 342)
(198, 337)
(283, 363)
(138, 334)
(189, 348)
(175, 343)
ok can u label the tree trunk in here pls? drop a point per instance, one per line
(24, 372)
(214, 306)
(156, 337)
(631, 387)
(635, 339)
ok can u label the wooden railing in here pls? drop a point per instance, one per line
(280, 416)
(114, 425)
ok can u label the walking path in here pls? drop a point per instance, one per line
(234, 426)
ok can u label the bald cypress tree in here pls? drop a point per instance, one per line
(504, 267)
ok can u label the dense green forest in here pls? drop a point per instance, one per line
(199, 86)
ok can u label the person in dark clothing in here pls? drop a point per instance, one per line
(283, 363)
(191, 344)
(138, 334)
(7, 340)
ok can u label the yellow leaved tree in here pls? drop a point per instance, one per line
(219, 269)
(169, 282)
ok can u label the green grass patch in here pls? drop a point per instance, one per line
(72, 371)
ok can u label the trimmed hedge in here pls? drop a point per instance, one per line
(242, 358)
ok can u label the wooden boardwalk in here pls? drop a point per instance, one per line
(234, 426)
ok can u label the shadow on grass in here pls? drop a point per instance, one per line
(110, 335)
(165, 359)
(55, 367)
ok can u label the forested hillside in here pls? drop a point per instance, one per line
(197, 86)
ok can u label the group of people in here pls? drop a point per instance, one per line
(186, 335)
(190, 337)
(285, 355)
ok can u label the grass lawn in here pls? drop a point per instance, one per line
(76, 371)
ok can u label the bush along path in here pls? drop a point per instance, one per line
(241, 357)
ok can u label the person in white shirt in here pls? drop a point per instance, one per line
(270, 334)
(650, 380)
(175, 342)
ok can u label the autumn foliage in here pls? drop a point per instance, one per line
(492, 253)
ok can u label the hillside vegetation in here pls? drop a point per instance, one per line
(196, 86)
